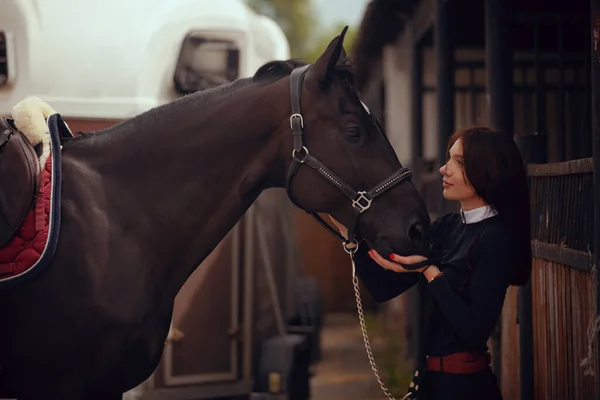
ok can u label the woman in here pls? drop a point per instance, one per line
(480, 251)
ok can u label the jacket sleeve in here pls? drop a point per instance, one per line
(474, 322)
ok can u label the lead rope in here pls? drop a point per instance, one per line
(363, 327)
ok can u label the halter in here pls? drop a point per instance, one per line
(361, 200)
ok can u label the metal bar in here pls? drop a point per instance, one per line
(472, 95)
(562, 255)
(249, 275)
(595, 95)
(416, 105)
(533, 150)
(528, 123)
(586, 145)
(236, 262)
(520, 99)
(539, 79)
(295, 268)
(517, 89)
(546, 60)
(546, 18)
(412, 350)
(444, 48)
(560, 98)
(499, 86)
(499, 71)
(270, 275)
(582, 166)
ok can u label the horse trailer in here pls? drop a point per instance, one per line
(246, 324)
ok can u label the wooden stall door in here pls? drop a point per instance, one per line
(325, 259)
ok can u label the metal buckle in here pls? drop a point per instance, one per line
(292, 121)
(295, 155)
(350, 250)
(362, 197)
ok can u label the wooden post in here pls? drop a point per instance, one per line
(445, 65)
(595, 94)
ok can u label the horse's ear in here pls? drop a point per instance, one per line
(334, 55)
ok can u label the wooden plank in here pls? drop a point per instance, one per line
(325, 260)
(594, 78)
(589, 310)
(535, 326)
(581, 333)
(558, 347)
(89, 124)
(552, 344)
(563, 302)
(510, 366)
(562, 331)
(542, 331)
(574, 339)
(581, 166)
(576, 307)
(569, 334)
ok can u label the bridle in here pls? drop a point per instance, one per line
(361, 200)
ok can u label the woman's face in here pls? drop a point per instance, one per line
(455, 183)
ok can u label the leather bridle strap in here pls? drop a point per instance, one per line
(361, 200)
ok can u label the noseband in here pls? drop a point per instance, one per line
(361, 200)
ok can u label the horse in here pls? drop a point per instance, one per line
(145, 201)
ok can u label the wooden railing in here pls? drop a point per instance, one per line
(563, 282)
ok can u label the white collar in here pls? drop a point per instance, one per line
(477, 214)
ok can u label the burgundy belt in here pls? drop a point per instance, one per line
(459, 363)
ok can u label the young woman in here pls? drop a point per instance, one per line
(480, 251)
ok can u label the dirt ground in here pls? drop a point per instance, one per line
(344, 371)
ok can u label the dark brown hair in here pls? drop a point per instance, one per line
(495, 170)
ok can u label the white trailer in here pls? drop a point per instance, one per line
(100, 62)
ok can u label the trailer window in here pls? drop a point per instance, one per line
(206, 62)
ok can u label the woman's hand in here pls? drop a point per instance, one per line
(395, 265)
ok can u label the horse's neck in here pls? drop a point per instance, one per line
(189, 175)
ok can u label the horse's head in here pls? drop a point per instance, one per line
(340, 153)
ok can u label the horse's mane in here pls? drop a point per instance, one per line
(267, 73)
(275, 70)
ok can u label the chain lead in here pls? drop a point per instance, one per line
(363, 328)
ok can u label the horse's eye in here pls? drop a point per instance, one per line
(353, 131)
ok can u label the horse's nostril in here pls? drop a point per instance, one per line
(416, 233)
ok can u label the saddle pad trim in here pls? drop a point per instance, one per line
(54, 215)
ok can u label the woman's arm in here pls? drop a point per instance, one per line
(381, 283)
(474, 322)
(384, 284)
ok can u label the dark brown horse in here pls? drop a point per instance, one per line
(144, 202)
